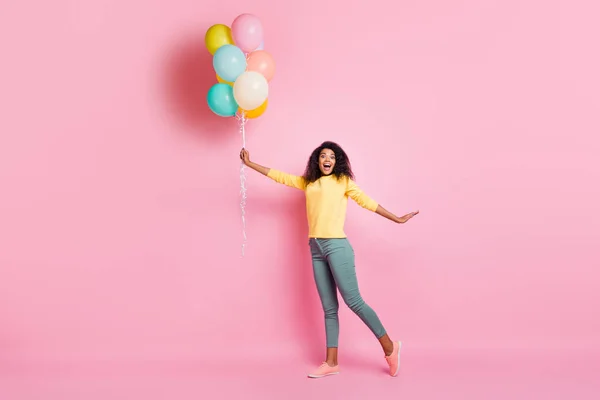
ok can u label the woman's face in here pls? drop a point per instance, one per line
(326, 161)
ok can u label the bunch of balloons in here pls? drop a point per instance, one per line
(243, 70)
(242, 66)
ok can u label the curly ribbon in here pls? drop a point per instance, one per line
(241, 117)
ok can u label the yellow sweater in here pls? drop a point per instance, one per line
(326, 202)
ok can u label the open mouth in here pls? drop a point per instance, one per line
(327, 167)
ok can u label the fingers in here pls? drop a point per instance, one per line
(412, 214)
(244, 155)
(408, 216)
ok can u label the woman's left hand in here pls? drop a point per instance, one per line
(405, 218)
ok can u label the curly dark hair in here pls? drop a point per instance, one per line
(342, 167)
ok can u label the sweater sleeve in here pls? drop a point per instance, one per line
(356, 194)
(287, 179)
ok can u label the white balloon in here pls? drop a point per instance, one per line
(250, 90)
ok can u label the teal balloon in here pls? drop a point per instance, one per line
(229, 62)
(221, 101)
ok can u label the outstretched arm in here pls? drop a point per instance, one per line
(245, 156)
(356, 194)
(399, 220)
(278, 176)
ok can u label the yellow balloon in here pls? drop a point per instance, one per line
(217, 36)
(257, 112)
(221, 80)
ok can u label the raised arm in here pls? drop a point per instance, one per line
(356, 194)
(278, 176)
(245, 156)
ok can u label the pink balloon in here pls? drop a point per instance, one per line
(261, 62)
(247, 32)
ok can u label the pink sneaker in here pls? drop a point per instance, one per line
(393, 359)
(324, 370)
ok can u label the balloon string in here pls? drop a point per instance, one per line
(242, 126)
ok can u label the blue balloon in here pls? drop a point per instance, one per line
(221, 101)
(229, 62)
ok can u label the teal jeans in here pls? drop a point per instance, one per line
(333, 269)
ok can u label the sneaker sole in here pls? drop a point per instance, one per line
(399, 350)
(322, 376)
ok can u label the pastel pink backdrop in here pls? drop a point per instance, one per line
(120, 227)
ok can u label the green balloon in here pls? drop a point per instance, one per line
(221, 101)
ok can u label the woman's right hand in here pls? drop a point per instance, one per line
(245, 156)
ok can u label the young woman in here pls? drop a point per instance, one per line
(328, 181)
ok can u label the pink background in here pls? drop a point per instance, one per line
(120, 227)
